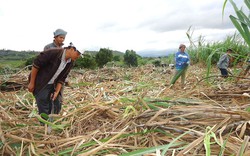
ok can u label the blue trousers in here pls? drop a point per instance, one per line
(224, 72)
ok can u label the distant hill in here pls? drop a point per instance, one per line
(93, 53)
(16, 55)
(118, 53)
(156, 53)
(24, 55)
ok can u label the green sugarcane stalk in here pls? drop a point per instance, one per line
(176, 76)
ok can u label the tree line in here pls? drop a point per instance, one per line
(104, 57)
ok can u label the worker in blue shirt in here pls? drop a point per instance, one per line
(182, 61)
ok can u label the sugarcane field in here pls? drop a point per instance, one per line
(125, 78)
(130, 111)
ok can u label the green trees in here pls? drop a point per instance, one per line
(116, 58)
(87, 61)
(90, 60)
(157, 63)
(103, 56)
(130, 58)
(29, 61)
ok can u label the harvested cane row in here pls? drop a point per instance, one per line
(128, 111)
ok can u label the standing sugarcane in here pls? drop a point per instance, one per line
(182, 62)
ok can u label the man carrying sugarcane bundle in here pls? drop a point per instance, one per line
(182, 62)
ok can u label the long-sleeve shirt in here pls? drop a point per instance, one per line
(47, 63)
(53, 46)
(181, 60)
(223, 61)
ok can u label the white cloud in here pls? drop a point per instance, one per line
(141, 25)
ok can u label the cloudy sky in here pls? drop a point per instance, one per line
(145, 26)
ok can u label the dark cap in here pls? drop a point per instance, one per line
(71, 45)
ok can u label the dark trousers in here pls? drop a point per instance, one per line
(43, 100)
(224, 72)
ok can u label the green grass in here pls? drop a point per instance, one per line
(11, 63)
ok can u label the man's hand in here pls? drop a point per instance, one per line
(31, 87)
(54, 96)
(57, 90)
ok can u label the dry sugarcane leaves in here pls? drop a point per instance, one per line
(119, 110)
